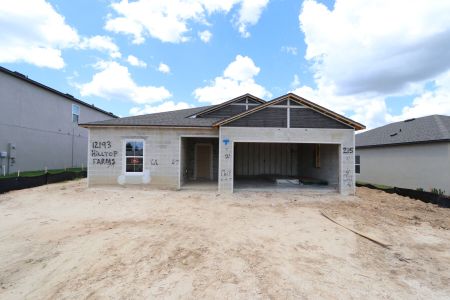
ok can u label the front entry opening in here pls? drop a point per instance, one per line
(199, 163)
(203, 161)
(286, 166)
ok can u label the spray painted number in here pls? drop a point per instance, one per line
(348, 150)
(154, 162)
(225, 173)
(100, 145)
(227, 155)
(175, 161)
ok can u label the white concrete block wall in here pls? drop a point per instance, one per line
(161, 155)
(344, 138)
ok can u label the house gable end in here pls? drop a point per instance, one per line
(289, 111)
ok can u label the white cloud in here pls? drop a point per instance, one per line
(113, 81)
(101, 43)
(290, 50)
(165, 106)
(429, 102)
(296, 82)
(362, 53)
(34, 33)
(379, 46)
(249, 14)
(237, 79)
(205, 36)
(169, 21)
(163, 68)
(241, 69)
(136, 62)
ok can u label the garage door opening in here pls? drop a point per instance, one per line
(286, 166)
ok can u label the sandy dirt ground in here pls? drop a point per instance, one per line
(66, 241)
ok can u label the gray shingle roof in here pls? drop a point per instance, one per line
(420, 130)
(183, 118)
(176, 118)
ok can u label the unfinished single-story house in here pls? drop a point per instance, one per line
(245, 142)
(410, 154)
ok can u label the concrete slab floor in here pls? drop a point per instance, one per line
(265, 185)
(200, 185)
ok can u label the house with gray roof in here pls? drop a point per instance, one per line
(243, 143)
(39, 125)
(413, 154)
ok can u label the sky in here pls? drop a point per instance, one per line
(374, 61)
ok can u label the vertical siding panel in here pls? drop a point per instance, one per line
(295, 160)
(238, 158)
(289, 161)
(244, 159)
(277, 158)
(261, 159)
(247, 159)
(266, 158)
(272, 165)
(251, 153)
(282, 159)
(257, 158)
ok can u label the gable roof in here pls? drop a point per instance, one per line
(52, 90)
(300, 100)
(176, 118)
(434, 128)
(234, 100)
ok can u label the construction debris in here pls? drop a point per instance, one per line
(384, 245)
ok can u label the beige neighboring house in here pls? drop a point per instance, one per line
(413, 154)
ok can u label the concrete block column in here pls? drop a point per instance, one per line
(225, 164)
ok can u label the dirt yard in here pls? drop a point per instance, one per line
(65, 241)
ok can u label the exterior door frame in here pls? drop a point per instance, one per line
(210, 162)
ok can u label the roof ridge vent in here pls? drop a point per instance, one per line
(409, 120)
(20, 74)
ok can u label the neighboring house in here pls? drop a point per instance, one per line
(39, 125)
(242, 142)
(412, 154)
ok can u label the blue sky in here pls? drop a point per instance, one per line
(375, 62)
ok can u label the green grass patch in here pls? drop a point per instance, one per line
(378, 186)
(41, 172)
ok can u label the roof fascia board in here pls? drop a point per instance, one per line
(403, 144)
(141, 126)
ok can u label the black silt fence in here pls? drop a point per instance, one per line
(427, 197)
(19, 183)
